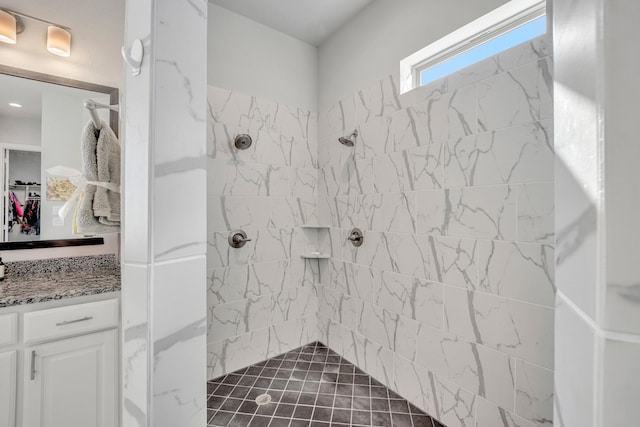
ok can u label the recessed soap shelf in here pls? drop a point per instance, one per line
(315, 255)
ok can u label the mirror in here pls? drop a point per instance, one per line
(42, 118)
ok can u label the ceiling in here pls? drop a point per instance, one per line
(311, 21)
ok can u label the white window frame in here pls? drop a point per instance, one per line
(513, 14)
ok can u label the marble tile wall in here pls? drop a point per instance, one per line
(597, 199)
(164, 262)
(450, 301)
(262, 298)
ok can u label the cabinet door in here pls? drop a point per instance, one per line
(72, 382)
(8, 369)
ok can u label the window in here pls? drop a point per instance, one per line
(511, 24)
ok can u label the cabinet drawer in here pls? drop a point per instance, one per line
(8, 329)
(64, 321)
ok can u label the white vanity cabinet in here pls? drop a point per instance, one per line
(71, 382)
(63, 367)
(8, 367)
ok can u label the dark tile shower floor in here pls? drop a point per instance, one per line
(312, 387)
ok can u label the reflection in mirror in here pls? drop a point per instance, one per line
(41, 123)
(22, 181)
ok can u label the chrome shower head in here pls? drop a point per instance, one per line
(349, 140)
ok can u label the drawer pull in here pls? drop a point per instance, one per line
(69, 322)
(33, 365)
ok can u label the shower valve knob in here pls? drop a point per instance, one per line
(238, 239)
(356, 237)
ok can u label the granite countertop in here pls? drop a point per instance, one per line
(29, 282)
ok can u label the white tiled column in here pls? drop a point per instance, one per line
(164, 226)
(597, 203)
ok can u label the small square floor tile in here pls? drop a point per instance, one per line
(309, 387)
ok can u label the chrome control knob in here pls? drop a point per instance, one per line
(238, 238)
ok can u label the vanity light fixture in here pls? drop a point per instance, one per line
(58, 36)
(15, 105)
(58, 41)
(8, 27)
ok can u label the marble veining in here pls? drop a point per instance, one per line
(262, 299)
(29, 282)
(450, 301)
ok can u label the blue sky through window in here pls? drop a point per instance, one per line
(492, 47)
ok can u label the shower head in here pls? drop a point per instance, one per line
(349, 140)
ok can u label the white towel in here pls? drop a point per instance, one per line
(85, 219)
(106, 203)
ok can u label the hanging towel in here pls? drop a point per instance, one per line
(106, 203)
(85, 220)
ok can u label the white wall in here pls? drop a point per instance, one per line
(97, 29)
(248, 57)
(24, 166)
(372, 44)
(20, 131)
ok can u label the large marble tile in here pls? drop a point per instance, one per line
(536, 212)
(413, 169)
(135, 342)
(491, 415)
(411, 381)
(390, 212)
(620, 373)
(339, 307)
(407, 254)
(247, 179)
(240, 282)
(484, 371)
(453, 405)
(179, 334)
(480, 212)
(233, 212)
(303, 183)
(386, 328)
(380, 99)
(171, 178)
(231, 354)
(340, 118)
(374, 138)
(516, 154)
(513, 327)
(408, 128)
(452, 115)
(289, 212)
(520, 271)
(352, 279)
(292, 334)
(534, 393)
(574, 384)
(411, 297)
(521, 95)
(456, 260)
(239, 317)
(372, 358)
(293, 303)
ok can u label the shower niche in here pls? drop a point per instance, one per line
(320, 233)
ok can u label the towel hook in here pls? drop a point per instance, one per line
(134, 56)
